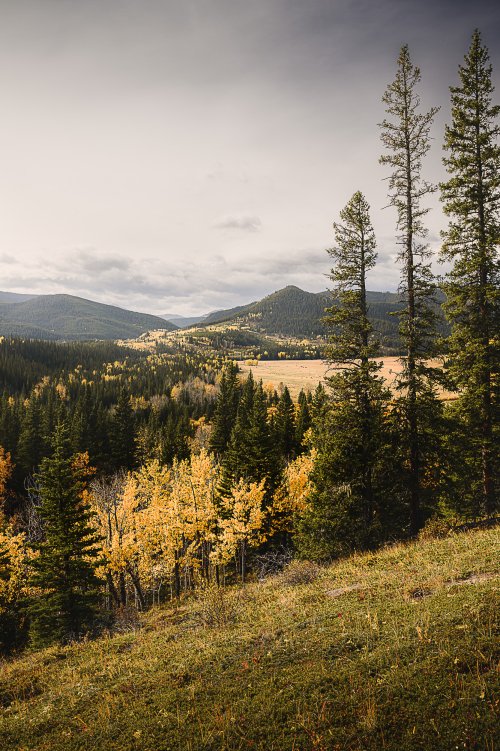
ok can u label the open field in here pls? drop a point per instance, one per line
(306, 374)
(396, 650)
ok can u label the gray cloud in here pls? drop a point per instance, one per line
(245, 222)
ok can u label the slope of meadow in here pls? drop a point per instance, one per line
(394, 650)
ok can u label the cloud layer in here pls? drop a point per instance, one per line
(185, 156)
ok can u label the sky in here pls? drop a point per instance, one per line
(190, 155)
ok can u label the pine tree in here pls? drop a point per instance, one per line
(406, 137)
(345, 506)
(235, 464)
(303, 422)
(284, 425)
(471, 198)
(65, 568)
(30, 446)
(122, 437)
(225, 410)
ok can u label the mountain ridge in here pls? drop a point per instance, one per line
(68, 317)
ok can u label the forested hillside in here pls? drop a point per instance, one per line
(66, 317)
(293, 312)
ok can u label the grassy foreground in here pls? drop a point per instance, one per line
(396, 650)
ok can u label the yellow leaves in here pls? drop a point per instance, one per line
(159, 519)
(15, 556)
(6, 468)
(62, 391)
(291, 497)
(243, 520)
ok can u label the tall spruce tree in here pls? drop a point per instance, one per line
(122, 437)
(405, 133)
(471, 198)
(65, 567)
(284, 425)
(225, 410)
(346, 503)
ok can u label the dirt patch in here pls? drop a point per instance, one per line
(420, 593)
(343, 590)
(471, 579)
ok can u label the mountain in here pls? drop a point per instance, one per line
(74, 318)
(183, 321)
(218, 316)
(14, 297)
(294, 312)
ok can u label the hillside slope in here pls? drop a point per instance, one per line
(294, 312)
(396, 650)
(14, 297)
(74, 318)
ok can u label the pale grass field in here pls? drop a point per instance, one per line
(306, 374)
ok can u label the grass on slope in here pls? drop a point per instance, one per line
(396, 650)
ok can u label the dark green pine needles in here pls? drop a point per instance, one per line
(64, 570)
(471, 198)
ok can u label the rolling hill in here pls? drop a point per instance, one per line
(294, 312)
(67, 317)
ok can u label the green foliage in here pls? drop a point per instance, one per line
(64, 570)
(225, 410)
(346, 506)
(123, 432)
(471, 198)
(350, 332)
(68, 317)
(406, 137)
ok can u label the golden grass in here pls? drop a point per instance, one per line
(306, 374)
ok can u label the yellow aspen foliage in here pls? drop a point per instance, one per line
(14, 553)
(15, 556)
(291, 497)
(243, 519)
(6, 467)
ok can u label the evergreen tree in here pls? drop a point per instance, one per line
(30, 446)
(225, 410)
(262, 460)
(122, 437)
(303, 422)
(284, 425)
(346, 504)
(235, 464)
(65, 567)
(405, 135)
(471, 198)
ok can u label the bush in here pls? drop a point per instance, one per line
(300, 572)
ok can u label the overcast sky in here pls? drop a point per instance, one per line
(181, 156)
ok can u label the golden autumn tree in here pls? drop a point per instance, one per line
(14, 563)
(242, 523)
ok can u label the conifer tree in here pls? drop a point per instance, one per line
(471, 198)
(348, 492)
(122, 437)
(30, 446)
(303, 422)
(235, 464)
(405, 134)
(284, 425)
(225, 410)
(65, 568)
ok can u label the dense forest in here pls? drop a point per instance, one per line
(129, 478)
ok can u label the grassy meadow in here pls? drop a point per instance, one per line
(306, 374)
(393, 650)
